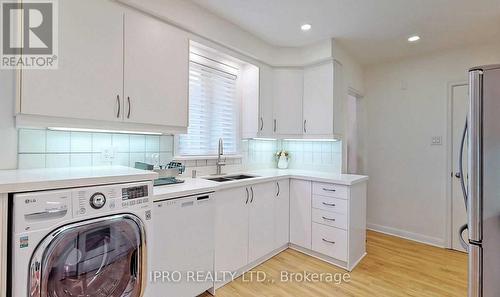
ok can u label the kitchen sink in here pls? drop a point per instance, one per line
(221, 179)
(241, 176)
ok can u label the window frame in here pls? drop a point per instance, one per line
(225, 63)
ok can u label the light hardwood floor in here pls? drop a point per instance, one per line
(393, 267)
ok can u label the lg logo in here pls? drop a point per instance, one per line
(29, 34)
(28, 201)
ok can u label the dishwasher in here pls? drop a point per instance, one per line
(182, 246)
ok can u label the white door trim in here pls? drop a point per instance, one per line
(449, 162)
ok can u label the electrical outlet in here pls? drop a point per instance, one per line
(436, 140)
(108, 154)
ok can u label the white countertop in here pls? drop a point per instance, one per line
(194, 186)
(23, 180)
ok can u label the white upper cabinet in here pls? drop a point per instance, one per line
(88, 82)
(250, 100)
(318, 99)
(117, 70)
(156, 72)
(288, 85)
(266, 102)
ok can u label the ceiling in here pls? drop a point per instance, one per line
(372, 30)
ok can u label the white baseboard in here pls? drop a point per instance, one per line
(438, 242)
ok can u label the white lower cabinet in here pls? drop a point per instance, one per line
(252, 223)
(328, 221)
(231, 230)
(282, 213)
(245, 226)
(300, 213)
(261, 221)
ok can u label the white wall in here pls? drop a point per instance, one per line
(406, 103)
(195, 19)
(8, 134)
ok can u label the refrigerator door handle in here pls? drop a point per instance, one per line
(460, 174)
(475, 161)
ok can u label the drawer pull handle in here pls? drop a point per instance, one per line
(329, 204)
(328, 219)
(328, 241)
(329, 190)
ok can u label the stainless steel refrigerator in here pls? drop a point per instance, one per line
(482, 183)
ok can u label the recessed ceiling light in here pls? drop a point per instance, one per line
(413, 38)
(306, 27)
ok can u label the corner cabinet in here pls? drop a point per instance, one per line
(299, 102)
(118, 70)
(287, 101)
(266, 118)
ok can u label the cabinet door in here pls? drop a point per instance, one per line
(261, 236)
(249, 75)
(300, 213)
(318, 99)
(156, 72)
(287, 101)
(282, 213)
(339, 98)
(88, 83)
(266, 102)
(231, 230)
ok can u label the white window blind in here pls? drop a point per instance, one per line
(213, 112)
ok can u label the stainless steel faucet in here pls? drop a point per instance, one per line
(220, 161)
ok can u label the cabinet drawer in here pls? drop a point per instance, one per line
(329, 218)
(329, 241)
(330, 204)
(331, 190)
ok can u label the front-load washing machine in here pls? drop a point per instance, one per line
(81, 242)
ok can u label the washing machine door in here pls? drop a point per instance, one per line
(102, 258)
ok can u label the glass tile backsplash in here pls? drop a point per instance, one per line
(304, 154)
(40, 148)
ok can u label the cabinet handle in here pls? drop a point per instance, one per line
(248, 196)
(278, 184)
(261, 123)
(328, 219)
(305, 122)
(129, 107)
(329, 204)
(328, 241)
(329, 190)
(275, 125)
(119, 106)
(251, 189)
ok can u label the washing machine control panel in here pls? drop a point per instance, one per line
(97, 200)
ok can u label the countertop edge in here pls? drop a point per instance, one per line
(43, 185)
(215, 186)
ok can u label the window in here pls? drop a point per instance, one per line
(213, 109)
